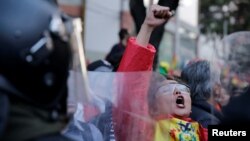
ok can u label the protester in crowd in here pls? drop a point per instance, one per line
(222, 98)
(116, 53)
(170, 107)
(100, 66)
(198, 75)
(138, 56)
(113, 58)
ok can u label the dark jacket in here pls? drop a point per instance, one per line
(205, 113)
(104, 123)
(100, 65)
(238, 110)
(21, 120)
(115, 55)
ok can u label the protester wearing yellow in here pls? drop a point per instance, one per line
(170, 107)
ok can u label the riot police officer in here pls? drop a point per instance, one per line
(34, 61)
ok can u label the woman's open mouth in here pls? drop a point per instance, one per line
(180, 102)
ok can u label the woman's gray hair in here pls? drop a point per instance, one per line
(200, 77)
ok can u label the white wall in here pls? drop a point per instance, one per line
(101, 27)
(188, 12)
(208, 48)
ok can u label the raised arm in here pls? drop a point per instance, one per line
(139, 54)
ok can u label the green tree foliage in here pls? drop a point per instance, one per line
(233, 15)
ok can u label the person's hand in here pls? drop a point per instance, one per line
(157, 15)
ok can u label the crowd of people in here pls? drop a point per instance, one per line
(36, 57)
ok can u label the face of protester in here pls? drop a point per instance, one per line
(173, 99)
(224, 97)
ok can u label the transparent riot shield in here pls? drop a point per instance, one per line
(128, 106)
(231, 94)
(131, 106)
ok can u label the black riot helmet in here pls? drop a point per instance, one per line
(34, 52)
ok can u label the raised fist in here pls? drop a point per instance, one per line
(157, 15)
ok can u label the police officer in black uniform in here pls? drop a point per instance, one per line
(35, 58)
